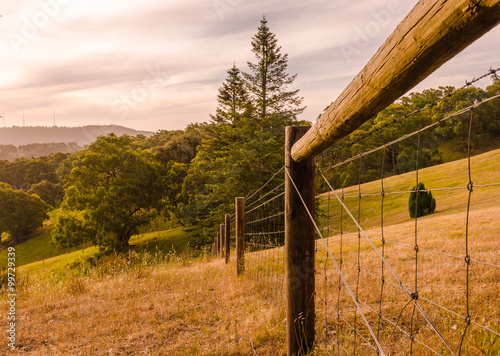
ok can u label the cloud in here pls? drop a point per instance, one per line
(91, 61)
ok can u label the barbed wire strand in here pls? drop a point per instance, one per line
(264, 185)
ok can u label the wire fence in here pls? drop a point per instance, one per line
(390, 284)
(265, 237)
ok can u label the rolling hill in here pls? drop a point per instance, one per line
(82, 136)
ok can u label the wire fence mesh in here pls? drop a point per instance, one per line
(265, 237)
(426, 285)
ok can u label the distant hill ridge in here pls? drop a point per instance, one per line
(82, 136)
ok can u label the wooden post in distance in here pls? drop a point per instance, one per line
(222, 240)
(227, 236)
(240, 235)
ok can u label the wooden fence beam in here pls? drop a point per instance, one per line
(299, 248)
(240, 235)
(227, 236)
(431, 34)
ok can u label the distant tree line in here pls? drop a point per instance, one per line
(34, 150)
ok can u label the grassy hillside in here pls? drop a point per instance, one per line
(41, 253)
(39, 247)
(176, 305)
(485, 169)
(176, 240)
(438, 271)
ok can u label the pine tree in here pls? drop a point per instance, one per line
(232, 98)
(268, 80)
(423, 205)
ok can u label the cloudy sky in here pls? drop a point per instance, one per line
(157, 64)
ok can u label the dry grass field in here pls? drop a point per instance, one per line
(441, 282)
(177, 307)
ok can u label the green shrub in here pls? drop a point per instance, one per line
(426, 203)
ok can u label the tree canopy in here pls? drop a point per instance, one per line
(115, 188)
(268, 80)
(21, 214)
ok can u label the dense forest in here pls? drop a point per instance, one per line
(117, 185)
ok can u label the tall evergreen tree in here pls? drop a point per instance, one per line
(244, 144)
(232, 98)
(268, 80)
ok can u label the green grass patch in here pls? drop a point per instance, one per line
(39, 246)
(180, 239)
(59, 262)
(177, 239)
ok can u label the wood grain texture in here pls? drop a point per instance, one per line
(431, 34)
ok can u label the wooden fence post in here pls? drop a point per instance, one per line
(222, 240)
(217, 243)
(227, 235)
(299, 248)
(240, 235)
